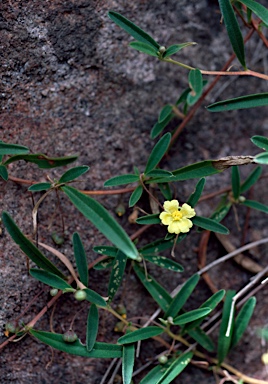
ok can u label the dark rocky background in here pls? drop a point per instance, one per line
(71, 85)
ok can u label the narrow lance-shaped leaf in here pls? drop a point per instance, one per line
(132, 29)
(12, 149)
(3, 172)
(210, 225)
(140, 334)
(261, 141)
(182, 296)
(155, 374)
(220, 212)
(104, 264)
(158, 173)
(176, 48)
(94, 297)
(73, 173)
(106, 250)
(80, 258)
(161, 245)
(261, 158)
(233, 30)
(117, 273)
(251, 179)
(195, 314)
(158, 152)
(38, 187)
(128, 360)
(164, 113)
(202, 338)
(164, 262)
(195, 196)
(258, 9)
(256, 205)
(28, 247)
(50, 279)
(102, 220)
(242, 320)
(226, 327)
(43, 161)
(149, 219)
(176, 368)
(196, 85)
(158, 293)
(159, 127)
(242, 102)
(100, 350)
(121, 180)
(92, 327)
(135, 196)
(235, 182)
(144, 48)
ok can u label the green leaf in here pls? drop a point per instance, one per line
(117, 273)
(196, 85)
(251, 179)
(211, 303)
(159, 173)
(100, 350)
(92, 327)
(226, 327)
(233, 30)
(140, 334)
(80, 258)
(43, 161)
(158, 293)
(260, 141)
(222, 209)
(256, 205)
(176, 368)
(210, 225)
(159, 127)
(195, 314)
(182, 296)
(235, 182)
(149, 219)
(106, 250)
(104, 264)
(176, 48)
(135, 196)
(257, 8)
(12, 149)
(193, 171)
(132, 29)
(128, 360)
(161, 245)
(122, 179)
(102, 220)
(73, 173)
(94, 297)
(50, 279)
(195, 196)
(144, 48)
(39, 187)
(261, 158)
(202, 339)
(242, 320)
(154, 375)
(158, 152)
(3, 172)
(164, 262)
(242, 102)
(28, 247)
(165, 113)
(166, 191)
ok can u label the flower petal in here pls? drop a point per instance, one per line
(187, 211)
(185, 225)
(174, 227)
(171, 206)
(166, 218)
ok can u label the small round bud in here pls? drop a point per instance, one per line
(139, 259)
(162, 49)
(80, 295)
(11, 327)
(53, 292)
(241, 199)
(162, 359)
(70, 336)
(264, 358)
(120, 210)
(170, 319)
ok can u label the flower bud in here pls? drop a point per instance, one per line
(162, 359)
(80, 295)
(53, 292)
(70, 336)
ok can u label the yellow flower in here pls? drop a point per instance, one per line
(176, 217)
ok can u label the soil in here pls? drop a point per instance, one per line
(71, 85)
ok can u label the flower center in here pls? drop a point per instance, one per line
(177, 215)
